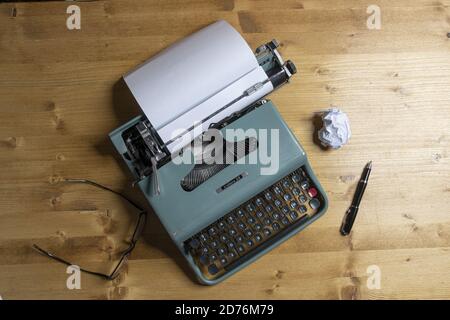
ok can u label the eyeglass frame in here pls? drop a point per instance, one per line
(140, 226)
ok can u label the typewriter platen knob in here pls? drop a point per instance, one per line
(291, 67)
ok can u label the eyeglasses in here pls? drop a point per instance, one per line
(142, 220)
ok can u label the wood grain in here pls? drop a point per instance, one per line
(60, 98)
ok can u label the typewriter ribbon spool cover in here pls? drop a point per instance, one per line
(194, 78)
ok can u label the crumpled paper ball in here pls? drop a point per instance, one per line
(336, 129)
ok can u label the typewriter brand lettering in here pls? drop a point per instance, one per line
(187, 310)
(74, 280)
(232, 181)
(73, 22)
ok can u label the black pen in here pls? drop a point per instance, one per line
(350, 215)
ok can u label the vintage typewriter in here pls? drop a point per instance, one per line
(222, 215)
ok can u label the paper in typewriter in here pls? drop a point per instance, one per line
(194, 78)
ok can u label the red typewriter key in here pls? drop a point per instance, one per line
(312, 192)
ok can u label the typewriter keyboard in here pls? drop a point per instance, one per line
(255, 225)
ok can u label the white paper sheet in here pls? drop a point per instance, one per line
(195, 115)
(205, 70)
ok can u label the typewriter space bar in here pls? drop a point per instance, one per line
(266, 244)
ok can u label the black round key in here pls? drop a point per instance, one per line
(267, 221)
(285, 209)
(240, 213)
(231, 255)
(250, 207)
(214, 244)
(278, 203)
(314, 203)
(251, 220)
(205, 250)
(275, 215)
(296, 178)
(286, 183)
(268, 196)
(259, 214)
(285, 221)
(230, 244)
(304, 185)
(249, 243)
(269, 208)
(223, 260)
(294, 204)
(240, 249)
(194, 244)
(277, 190)
(267, 232)
(258, 237)
(212, 269)
(203, 237)
(242, 225)
(239, 239)
(293, 215)
(258, 201)
(224, 238)
(212, 231)
(212, 257)
(248, 233)
(231, 219)
(302, 209)
(275, 226)
(257, 227)
(221, 251)
(232, 232)
(296, 191)
(302, 198)
(287, 197)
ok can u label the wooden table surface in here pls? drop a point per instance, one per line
(61, 96)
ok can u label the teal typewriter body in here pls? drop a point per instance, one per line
(222, 218)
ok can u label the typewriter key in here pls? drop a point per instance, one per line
(305, 185)
(314, 203)
(212, 269)
(194, 244)
(293, 215)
